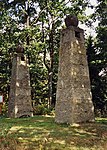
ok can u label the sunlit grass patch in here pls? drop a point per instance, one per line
(42, 133)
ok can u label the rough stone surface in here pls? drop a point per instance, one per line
(73, 98)
(20, 91)
(71, 20)
(20, 49)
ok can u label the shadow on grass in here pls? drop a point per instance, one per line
(41, 132)
(101, 120)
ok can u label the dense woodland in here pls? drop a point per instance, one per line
(36, 24)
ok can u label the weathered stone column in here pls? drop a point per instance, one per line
(73, 98)
(20, 90)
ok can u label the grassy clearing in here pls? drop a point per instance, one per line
(42, 133)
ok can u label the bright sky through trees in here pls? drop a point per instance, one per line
(89, 11)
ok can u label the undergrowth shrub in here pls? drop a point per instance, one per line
(42, 109)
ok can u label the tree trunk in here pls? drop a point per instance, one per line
(51, 46)
(27, 16)
(50, 67)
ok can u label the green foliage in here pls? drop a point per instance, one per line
(97, 58)
(101, 46)
(36, 24)
(41, 38)
(42, 109)
(4, 109)
(98, 81)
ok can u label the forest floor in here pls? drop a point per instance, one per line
(42, 133)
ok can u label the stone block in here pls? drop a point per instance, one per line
(20, 90)
(73, 97)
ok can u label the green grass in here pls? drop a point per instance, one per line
(42, 133)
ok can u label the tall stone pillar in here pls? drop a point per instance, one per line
(73, 98)
(20, 90)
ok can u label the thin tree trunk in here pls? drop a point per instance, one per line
(50, 86)
(51, 46)
(27, 16)
(50, 66)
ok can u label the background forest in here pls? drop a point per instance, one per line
(36, 24)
